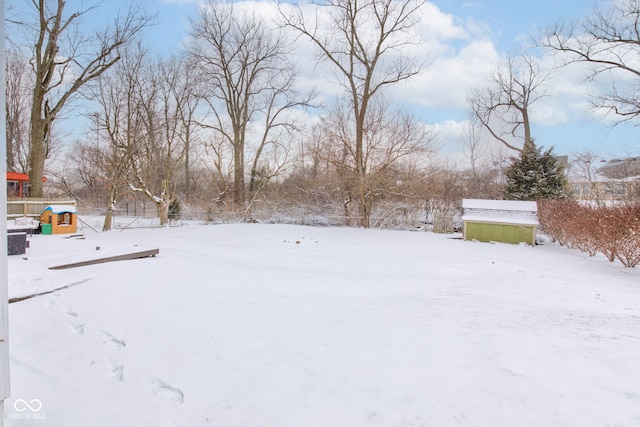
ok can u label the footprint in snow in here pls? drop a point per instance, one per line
(107, 338)
(115, 372)
(69, 312)
(160, 388)
(77, 329)
(49, 304)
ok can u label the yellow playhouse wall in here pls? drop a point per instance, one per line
(52, 218)
(64, 229)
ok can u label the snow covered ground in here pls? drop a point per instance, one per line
(289, 326)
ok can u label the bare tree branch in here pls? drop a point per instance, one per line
(609, 41)
(503, 107)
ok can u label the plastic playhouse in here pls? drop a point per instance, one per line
(59, 219)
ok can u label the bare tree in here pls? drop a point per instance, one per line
(584, 172)
(474, 148)
(279, 129)
(18, 86)
(249, 78)
(503, 107)
(119, 123)
(216, 148)
(607, 40)
(393, 142)
(64, 59)
(83, 175)
(181, 101)
(363, 44)
(483, 176)
(166, 129)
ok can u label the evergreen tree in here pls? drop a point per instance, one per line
(175, 209)
(535, 176)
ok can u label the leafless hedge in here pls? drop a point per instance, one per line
(613, 230)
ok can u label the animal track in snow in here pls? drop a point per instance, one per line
(107, 338)
(160, 388)
(115, 372)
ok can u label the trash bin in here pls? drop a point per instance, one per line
(16, 243)
(46, 228)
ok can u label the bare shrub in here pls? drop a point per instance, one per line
(628, 247)
(613, 230)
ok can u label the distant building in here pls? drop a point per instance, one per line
(617, 179)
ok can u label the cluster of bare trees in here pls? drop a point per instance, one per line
(63, 60)
(223, 127)
(225, 109)
(613, 230)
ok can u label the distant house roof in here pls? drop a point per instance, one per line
(500, 211)
(57, 209)
(621, 168)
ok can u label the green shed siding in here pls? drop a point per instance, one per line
(504, 233)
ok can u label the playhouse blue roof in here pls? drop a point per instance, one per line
(58, 209)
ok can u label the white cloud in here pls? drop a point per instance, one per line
(449, 132)
(448, 78)
(436, 25)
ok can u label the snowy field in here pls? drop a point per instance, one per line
(287, 326)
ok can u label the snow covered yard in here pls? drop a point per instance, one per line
(289, 326)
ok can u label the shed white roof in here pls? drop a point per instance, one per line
(60, 209)
(502, 205)
(498, 219)
(500, 211)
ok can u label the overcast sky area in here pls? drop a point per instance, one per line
(460, 42)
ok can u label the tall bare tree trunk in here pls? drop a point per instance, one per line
(163, 213)
(238, 175)
(108, 217)
(37, 149)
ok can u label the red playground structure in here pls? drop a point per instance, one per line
(18, 184)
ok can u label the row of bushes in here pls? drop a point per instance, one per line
(613, 230)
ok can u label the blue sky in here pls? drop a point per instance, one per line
(461, 32)
(514, 20)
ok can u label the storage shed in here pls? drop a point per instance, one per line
(59, 219)
(505, 221)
